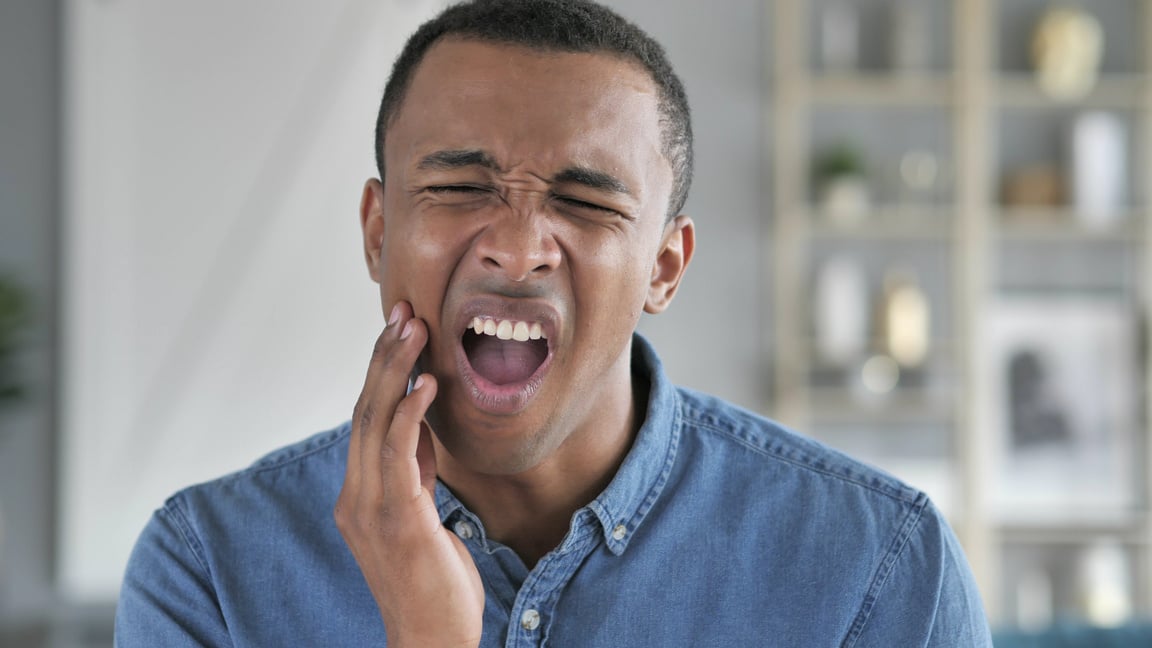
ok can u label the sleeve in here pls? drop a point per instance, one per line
(167, 597)
(929, 598)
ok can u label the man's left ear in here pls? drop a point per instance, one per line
(675, 252)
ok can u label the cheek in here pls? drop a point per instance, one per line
(616, 279)
(419, 257)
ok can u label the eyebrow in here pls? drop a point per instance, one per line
(455, 159)
(593, 179)
(459, 158)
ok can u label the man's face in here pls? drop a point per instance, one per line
(524, 195)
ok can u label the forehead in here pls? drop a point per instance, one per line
(518, 102)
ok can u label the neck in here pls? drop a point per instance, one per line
(530, 511)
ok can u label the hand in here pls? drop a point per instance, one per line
(422, 577)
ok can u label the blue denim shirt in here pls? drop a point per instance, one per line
(720, 529)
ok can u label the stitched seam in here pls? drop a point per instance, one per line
(800, 464)
(178, 518)
(640, 512)
(887, 566)
(176, 514)
(657, 489)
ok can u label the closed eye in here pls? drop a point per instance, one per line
(576, 202)
(463, 189)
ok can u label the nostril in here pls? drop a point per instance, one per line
(519, 253)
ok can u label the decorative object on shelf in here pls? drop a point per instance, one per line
(1099, 168)
(904, 319)
(879, 375)
(919, 176)
(1037, 185)
(909, 50)
(1066, 50)
(840, 312)
(839, 37)
(841, 184)
(1106, 584)
(1061, 388)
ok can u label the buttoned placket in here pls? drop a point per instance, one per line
(534, 610)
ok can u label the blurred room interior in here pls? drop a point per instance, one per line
(925, 220)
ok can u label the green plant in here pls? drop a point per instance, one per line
(836, 161)
(13, 319)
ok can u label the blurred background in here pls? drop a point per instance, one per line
(922, 239)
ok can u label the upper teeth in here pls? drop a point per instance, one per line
(508, 329)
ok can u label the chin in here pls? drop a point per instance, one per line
(494, 447)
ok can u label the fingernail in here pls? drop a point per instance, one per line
(419, 381)
(407, 330)
(394, 316)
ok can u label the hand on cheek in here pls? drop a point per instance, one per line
(422, 577)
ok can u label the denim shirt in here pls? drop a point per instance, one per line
(719, 529)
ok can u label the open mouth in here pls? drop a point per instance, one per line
(505, 352)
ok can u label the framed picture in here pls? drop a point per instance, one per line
(1064, 392)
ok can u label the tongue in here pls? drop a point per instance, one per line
(505, 361)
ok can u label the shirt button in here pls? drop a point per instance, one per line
(619, 532)
(530, 620)
(465, 530)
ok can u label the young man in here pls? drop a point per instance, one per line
(518, 470)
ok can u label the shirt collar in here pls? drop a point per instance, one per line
(623, 505)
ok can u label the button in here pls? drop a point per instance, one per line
(465, 530)
(619, 532)
(530, 620)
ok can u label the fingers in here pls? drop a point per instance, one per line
(393, 358)
(400, 468)
(426, 458)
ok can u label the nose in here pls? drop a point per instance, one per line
(518, 245)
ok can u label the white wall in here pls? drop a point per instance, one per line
(713, 337)
(216, 305)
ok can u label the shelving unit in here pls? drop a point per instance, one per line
(975, 105)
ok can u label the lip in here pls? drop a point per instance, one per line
(512, 397)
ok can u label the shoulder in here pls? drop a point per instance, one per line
(228, 521)
(849, 539)
(199, 572)
(289, 476)
(317, 447)
(766, 444)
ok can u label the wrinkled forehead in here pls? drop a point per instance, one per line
(518, 103)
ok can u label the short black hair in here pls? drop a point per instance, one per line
(559, 26)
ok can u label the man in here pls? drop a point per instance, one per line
(518, 469)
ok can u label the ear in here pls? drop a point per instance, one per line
(675, 252)
(372, 225)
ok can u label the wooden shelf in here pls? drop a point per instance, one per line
(831, 405)
(1113, 91)
(1128, 529)
(881, 89)
(1063, 224)
(885, 222)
